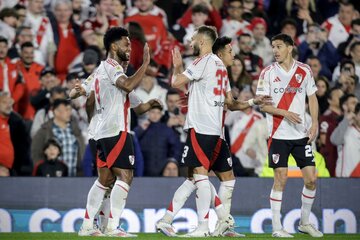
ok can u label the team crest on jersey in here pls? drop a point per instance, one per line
(229, 160)
(276, 158)
(132, 159)
(298, 77)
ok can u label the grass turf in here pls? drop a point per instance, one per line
(149, 236)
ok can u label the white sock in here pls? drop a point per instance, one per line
(117, 203)
(179, 199)
(225, 194)
(217, 204)
(104, 211)
(94, 200)
(203, 200)
(275, 203)
(307, 199)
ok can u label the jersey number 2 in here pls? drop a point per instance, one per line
(221, 75)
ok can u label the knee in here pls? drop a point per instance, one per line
(280, 180)
(226, 176)
(310, 183)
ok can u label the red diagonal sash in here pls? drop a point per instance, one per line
(287, 99)
(41, 31)
(240, 139)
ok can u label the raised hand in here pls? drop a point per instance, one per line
(79, 89)
(293, 117)
(146, 57)
(177, 59)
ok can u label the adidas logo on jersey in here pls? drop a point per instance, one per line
(277, 79)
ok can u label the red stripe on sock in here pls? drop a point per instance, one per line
(276, 200)
(207, 216)
(217, 201)
(170, 208)
(86, 214)
(201, 180)
(308, 196)
(110, 215)
(123, 188)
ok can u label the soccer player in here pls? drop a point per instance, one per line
(288, 82)
(112, 100)
(209, 85)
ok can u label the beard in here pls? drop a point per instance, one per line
(196, 50)
(122, 56)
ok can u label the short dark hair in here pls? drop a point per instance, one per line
(357, 108)
(114, 34)
(200, 8)
(244, 35)
(346, 61)
(333, 89)
(283, 37)
(57, 90)
(208, 31)
(172, 91)
(19, 6)
(344, 99)
(8, 12)
(3, 40)
(220, 44)
(53, 142)
(26, 44)
(59, 102)
(288, 21)
(354, 45)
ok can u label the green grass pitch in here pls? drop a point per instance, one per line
(149, 236)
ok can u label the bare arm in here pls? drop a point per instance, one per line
(90, 106)
(144, 107)
(234, 105)
(130, 83)
(314, 112)
(291, 116)
(179, 80)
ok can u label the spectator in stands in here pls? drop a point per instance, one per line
(24, 34)
(173, 117)
(199, 15)
(171, 168)
(304, 13)
(48, 80)
(153, 25)
(51, 165)
(238, 76)
(41, 29)
(66, 132)
(10, 80)
(118, 11)
(214, 16)
(262, 46)
(347, 137)
(316, 44)
(317, 68)
(150, 8)
(289, 27)
(322, 93)
(8, 23)
(90, 59)
(328, 122)
(21, 14)
(354, 36)
(234, 24)
(14, 139)
(158, 143)
(339, 25)
(346, 67)
(30, 71)
(253, 63)
(67, 37)
(46, 113)
(103, 18)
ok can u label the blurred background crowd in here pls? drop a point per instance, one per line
(45, 45)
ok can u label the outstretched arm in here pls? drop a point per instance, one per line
(234, 105)
(144, 107)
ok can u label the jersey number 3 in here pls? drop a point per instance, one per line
(221, 75)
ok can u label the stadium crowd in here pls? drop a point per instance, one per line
(47, 46)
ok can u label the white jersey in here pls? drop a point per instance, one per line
(207, 89)
(288, 91)
(348, 163)
(112, 104)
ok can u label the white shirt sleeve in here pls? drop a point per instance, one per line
(87, 84)
(114, 72)
(263, 87)
(134, 100)
(196, 69)
(310, 84)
